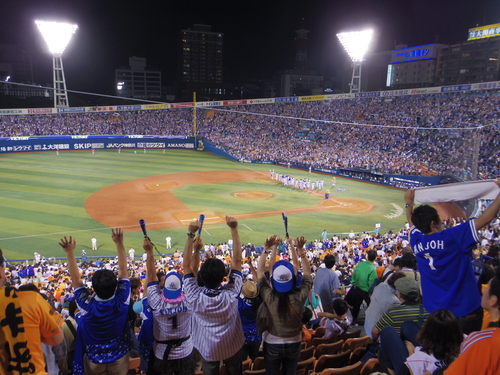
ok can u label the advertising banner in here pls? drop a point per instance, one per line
(29, 144)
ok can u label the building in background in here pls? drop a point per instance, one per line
(201, 64)
(475, 60)
(375, 67)
(16, 64)
(413, 67)
(299, 81)
(137, 81)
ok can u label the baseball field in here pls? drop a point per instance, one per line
(44, 196)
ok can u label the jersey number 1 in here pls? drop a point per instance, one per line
(431, 261)
(174, 321)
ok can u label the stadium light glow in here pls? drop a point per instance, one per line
(356, 44)
(57, 35)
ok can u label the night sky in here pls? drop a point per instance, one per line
(258, 35)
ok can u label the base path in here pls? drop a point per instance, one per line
(124, 204)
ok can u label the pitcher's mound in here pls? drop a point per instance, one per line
(252, 194)
(161, 186)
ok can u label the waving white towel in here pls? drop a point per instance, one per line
(484, 189)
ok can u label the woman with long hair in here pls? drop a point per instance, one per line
(285, 303)
(439, 339)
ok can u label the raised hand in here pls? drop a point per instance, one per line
(147, 245)
(270, 241)
(300, 241)
(231, 222)
(194, 226)
(410, 196)
(117, 235)
(68, 245)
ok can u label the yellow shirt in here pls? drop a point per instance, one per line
(39, 320)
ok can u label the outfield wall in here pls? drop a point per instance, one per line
(93, 142)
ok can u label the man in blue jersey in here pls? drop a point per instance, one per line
(173, 346)
(444, 261)
(217, 330)
(103, 334)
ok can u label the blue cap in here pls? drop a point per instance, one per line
(173, 285)
(283, 274)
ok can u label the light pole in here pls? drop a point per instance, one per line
(57, 36)
(356, 44)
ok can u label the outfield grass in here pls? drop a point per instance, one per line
(42, 198)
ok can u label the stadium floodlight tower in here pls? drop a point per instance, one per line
(356, 44)
(57, 36)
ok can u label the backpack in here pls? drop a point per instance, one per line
(378, 281)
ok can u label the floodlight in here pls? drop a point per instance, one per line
(57, 36)
(356, 44)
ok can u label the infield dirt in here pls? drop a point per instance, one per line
(122, 204)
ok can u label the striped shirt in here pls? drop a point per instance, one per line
(217, 331)
(172, 321)
(396, 316)
(478, 355)
(475, 337)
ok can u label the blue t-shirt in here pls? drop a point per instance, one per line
(103, 332)
(446, 273)
(248, 316)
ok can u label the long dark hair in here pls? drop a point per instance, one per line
(284, 300)
(441, 335)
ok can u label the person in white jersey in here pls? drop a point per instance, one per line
(173, 346)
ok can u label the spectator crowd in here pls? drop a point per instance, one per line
(420, 134)
(214, 307)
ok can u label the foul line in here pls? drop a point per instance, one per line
(79, 231)
(248, 227)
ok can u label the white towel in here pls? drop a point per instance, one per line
(484, 189)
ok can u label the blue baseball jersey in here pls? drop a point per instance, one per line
(444, 262)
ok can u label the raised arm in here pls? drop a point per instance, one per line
(490, 213)
(236, 256)
(69, 248)
(409, 203)
(117, 236)
(188, 247)
(253, 272)
(198, 244)
(261, 266)
(293, 254)
(274, 251)
(306, 265)
(150, 261)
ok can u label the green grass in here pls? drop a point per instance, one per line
(42, 198)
